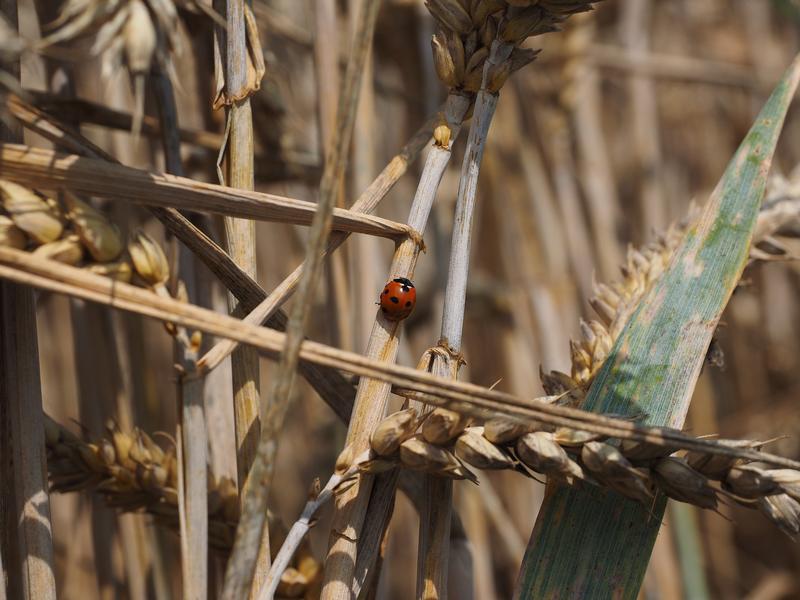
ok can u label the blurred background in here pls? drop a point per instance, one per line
(628, 115)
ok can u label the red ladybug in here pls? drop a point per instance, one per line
(398, 299)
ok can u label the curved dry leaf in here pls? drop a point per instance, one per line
(256, 67)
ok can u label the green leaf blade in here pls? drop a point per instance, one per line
(589, 543)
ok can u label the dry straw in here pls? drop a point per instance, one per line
(475, 49)
(238, 572)
(27, 538)
(47, 170)
(471, 399)
(327, 382)
(239, 68)
(372, 395)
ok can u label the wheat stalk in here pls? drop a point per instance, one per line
(372, 396)
(331, 386)
(45, 169)
(436, 511)
(238, 571)
(233, 91)
(192, 433)
(239, 66)
(300, 528)
(366, 203)
(26, 510)
(464, 397)
(500, 30)
(461, 65)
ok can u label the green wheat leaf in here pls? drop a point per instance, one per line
(588, 543)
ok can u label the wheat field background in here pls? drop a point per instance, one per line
(628, 115)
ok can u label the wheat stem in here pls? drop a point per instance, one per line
(330, 385)
(195, 446)
(374, 531)
(240, 236)
(27, 540)
(366, 203)
(371, 397)
(239, 567)
(183, 526)
(302, 525)
(240, 239)
(45, 169)
(193, 499)
(30, 547)
(436, 514)
(470, 399)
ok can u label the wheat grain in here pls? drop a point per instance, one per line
(135, 474)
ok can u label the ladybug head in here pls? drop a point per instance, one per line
(406, 282)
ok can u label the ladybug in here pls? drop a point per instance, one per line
(398, 299)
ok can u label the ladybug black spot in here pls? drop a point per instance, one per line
(386, 291)
(408, 304)
(395, 299)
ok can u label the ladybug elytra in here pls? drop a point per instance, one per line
(398, 299)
